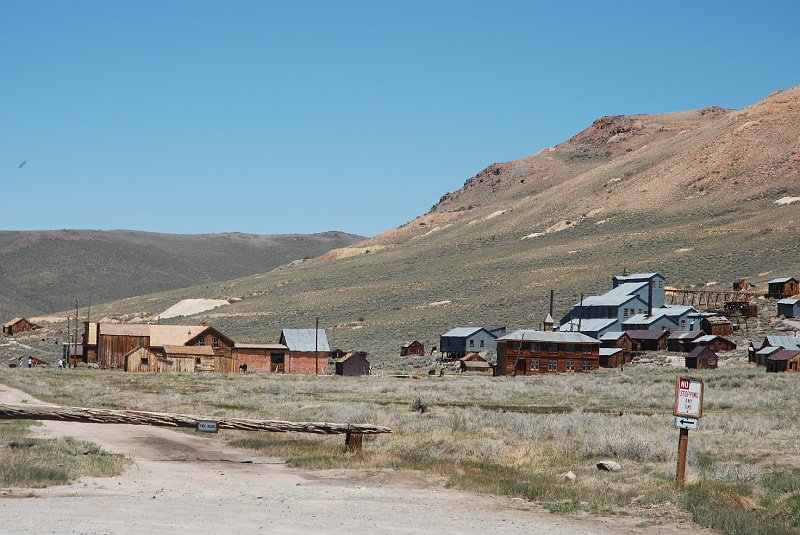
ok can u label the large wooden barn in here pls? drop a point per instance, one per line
(526, 352)
(18, 325)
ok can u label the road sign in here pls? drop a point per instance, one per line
(688, 397)
(207, 426)
(681, 422)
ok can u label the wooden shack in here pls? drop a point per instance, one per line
(717, 343)
(682, 341)
(353, 364)
(789, 307)
(613, 357)
(784, 360)
(527, 352)
(783, 287)
(617, 339)
(718, 325)
(474, 362)
(645, 340)
(414, 347)
(204, 357)
(18, 325)
(261, 358)
(741, 285)
(702, 358)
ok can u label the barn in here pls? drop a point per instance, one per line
(783, 287)
(415, 347)
(18, 325)
(308, 351)
(702, 358)
(789, 307)
(352, 364)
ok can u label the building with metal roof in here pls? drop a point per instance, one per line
(789, 307)
(305, 340)
(594, 328)
(526, 352)
(457, 342)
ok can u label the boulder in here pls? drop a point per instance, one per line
(609, 466)
(569, 476)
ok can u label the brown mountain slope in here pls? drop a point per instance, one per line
(691, 194)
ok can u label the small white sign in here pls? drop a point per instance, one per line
(207, 426)
(688, 397)
(682, 422)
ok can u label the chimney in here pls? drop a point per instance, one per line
(650, 297)
(552, 292)
(580, 317)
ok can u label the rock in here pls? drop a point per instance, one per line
(609, 466)
(569, 476)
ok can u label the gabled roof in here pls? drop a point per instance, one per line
(464, 332)
(768, 350)
(139, 348)
(789, 301)
(160, 335)
(607, 300)
(707, 339)
(549, 336)
(685, 335)
(472, 357)
(717, 320)
(644, 319)
(699, 350)
(642, 334)
(12, 322)
(352, 354)
(784, 354)
(613, 336)
(675, 310)
(206, 330)
(636, 276)
(609, 351)
(189, 351)
(786, 342)
(408, 344)
(303, 339)
(627, 288)
(781, 280)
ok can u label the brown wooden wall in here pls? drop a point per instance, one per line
(225, 349)
(111, 349)
(508, 364)
(415, 348)
(21, 326)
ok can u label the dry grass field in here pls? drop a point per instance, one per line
(513, 436)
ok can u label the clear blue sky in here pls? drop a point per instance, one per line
(299, 116)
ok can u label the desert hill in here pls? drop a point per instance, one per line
(703, 196)
(45, 271)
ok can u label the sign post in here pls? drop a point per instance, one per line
(688, 409)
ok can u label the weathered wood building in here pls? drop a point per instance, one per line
(308, 351)
(784, 360)
(717, 343)
(527, 352)
(415, 347)
(718, 325)
(741, 285)
(645, 340)
(682, 341)
(783, 287)
(613, 357)
(353, 364)
(702, 358)
(18, 325)
(475, 363)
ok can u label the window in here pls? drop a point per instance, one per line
(683, 323)
(586, 365)
(570, 366)
(641, 311)
(553, 348)
(569, 348)
(535, 346)
(625, 312)
(587, 350)
(201, 341)
(145, 361)
(552, 365)
(482, 343)
(215, 342)
(660, 284)
(472, 343)
(535, 365)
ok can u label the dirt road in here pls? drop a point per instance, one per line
(184, 483)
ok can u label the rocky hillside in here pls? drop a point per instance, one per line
(703, 196)
(42, 272)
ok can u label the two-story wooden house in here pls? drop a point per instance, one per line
(528, 352)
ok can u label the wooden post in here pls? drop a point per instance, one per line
(683, 446)
(353, 442)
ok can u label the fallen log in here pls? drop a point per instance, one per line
(108, 416)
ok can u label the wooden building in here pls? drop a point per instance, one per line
(789, 307)
(717, 343)
(702, 358)
(718, 325)
(308, 351)
(741, 285)
(783, 287)
(613, 357)
(682, 341)
(337, 353)
(765, 353)
(752, 349)
(527, 352)
(474, 362)
(261, 358)
(646, 340)
(784, 360)
(353, 364)
(18, 325)
(414, 347)
(617, 339)
(457, 342)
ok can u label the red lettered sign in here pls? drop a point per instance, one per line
(688, 397)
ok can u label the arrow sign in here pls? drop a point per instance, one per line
(687, 423)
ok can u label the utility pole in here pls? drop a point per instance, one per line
(75, 340)
(316, 347)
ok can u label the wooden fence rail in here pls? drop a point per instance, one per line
(353, 432)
